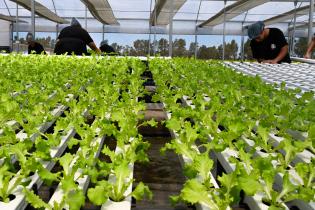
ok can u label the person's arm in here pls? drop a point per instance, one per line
(283, 52)
(310, 49)
(93, 47)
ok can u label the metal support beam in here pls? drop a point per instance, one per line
(11, 37)
(170, 45)
(149, 44)
(293, 32)
(103, 33)
(7, 8)
(243, 37)
(224, 25)
(17, 29)
(85, 17)
(57, 25)
(242, 44)
(33, 17)
(155, 43)
(196, 29)
(57, 31)
(310, 22)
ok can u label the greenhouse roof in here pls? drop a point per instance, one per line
(153, 16)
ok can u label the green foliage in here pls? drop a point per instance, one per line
(237, 114)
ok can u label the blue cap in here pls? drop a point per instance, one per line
(255, 29)
(75, 22)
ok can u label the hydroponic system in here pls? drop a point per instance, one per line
(151, 133)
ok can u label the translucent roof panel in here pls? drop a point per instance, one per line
(48, 3)
(271, 9)
(189, 10)
(135, 9)
(134, 15)
(70, 8)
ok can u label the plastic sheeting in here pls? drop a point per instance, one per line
(134, 16)
(41, 10)
(101, 10)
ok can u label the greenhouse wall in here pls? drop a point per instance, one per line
(4, 33)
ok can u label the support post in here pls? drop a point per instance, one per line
(170, 45)
(242, 44)
(155, 20)
(17, 28)
(224, 24)
(57, 30)
(293, 32)
(103, 35)
(33, 17)
(310, 23)
(196, 44)
(196, 30)
(243, 38)
(85, 18)
(149, 44)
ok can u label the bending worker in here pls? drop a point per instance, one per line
(73, 39)
(34, 47)
(107, 49)
(268, 44)
(310, 48)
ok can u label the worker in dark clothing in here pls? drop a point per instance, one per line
(107, 49)
(73, 39)
(268, 44)
(34, 47)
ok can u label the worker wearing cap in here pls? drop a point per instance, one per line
(310, 48)
(105, 48)
(268, 44)
(34, 47)
(73, 39)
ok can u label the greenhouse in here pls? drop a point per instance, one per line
(157, 105)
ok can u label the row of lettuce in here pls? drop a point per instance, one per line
(99, 99)
(224, 112)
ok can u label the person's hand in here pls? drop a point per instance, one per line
(307, 56)
(270, 61)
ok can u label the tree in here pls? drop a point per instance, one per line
(162, 48)
(203, 52)
(231, 50)
(141, 47)
(191, 50)
(301, 47)
(179, 48)
(214, 53)
(118, 48)
(248, 55)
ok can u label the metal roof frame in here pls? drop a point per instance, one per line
(41, 11)
(232, 11)
(10, 18)
(288, 15)
(102, 11)
(164, 11)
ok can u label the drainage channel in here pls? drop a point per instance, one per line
(163, 174)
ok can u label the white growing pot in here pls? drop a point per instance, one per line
(122, 205)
